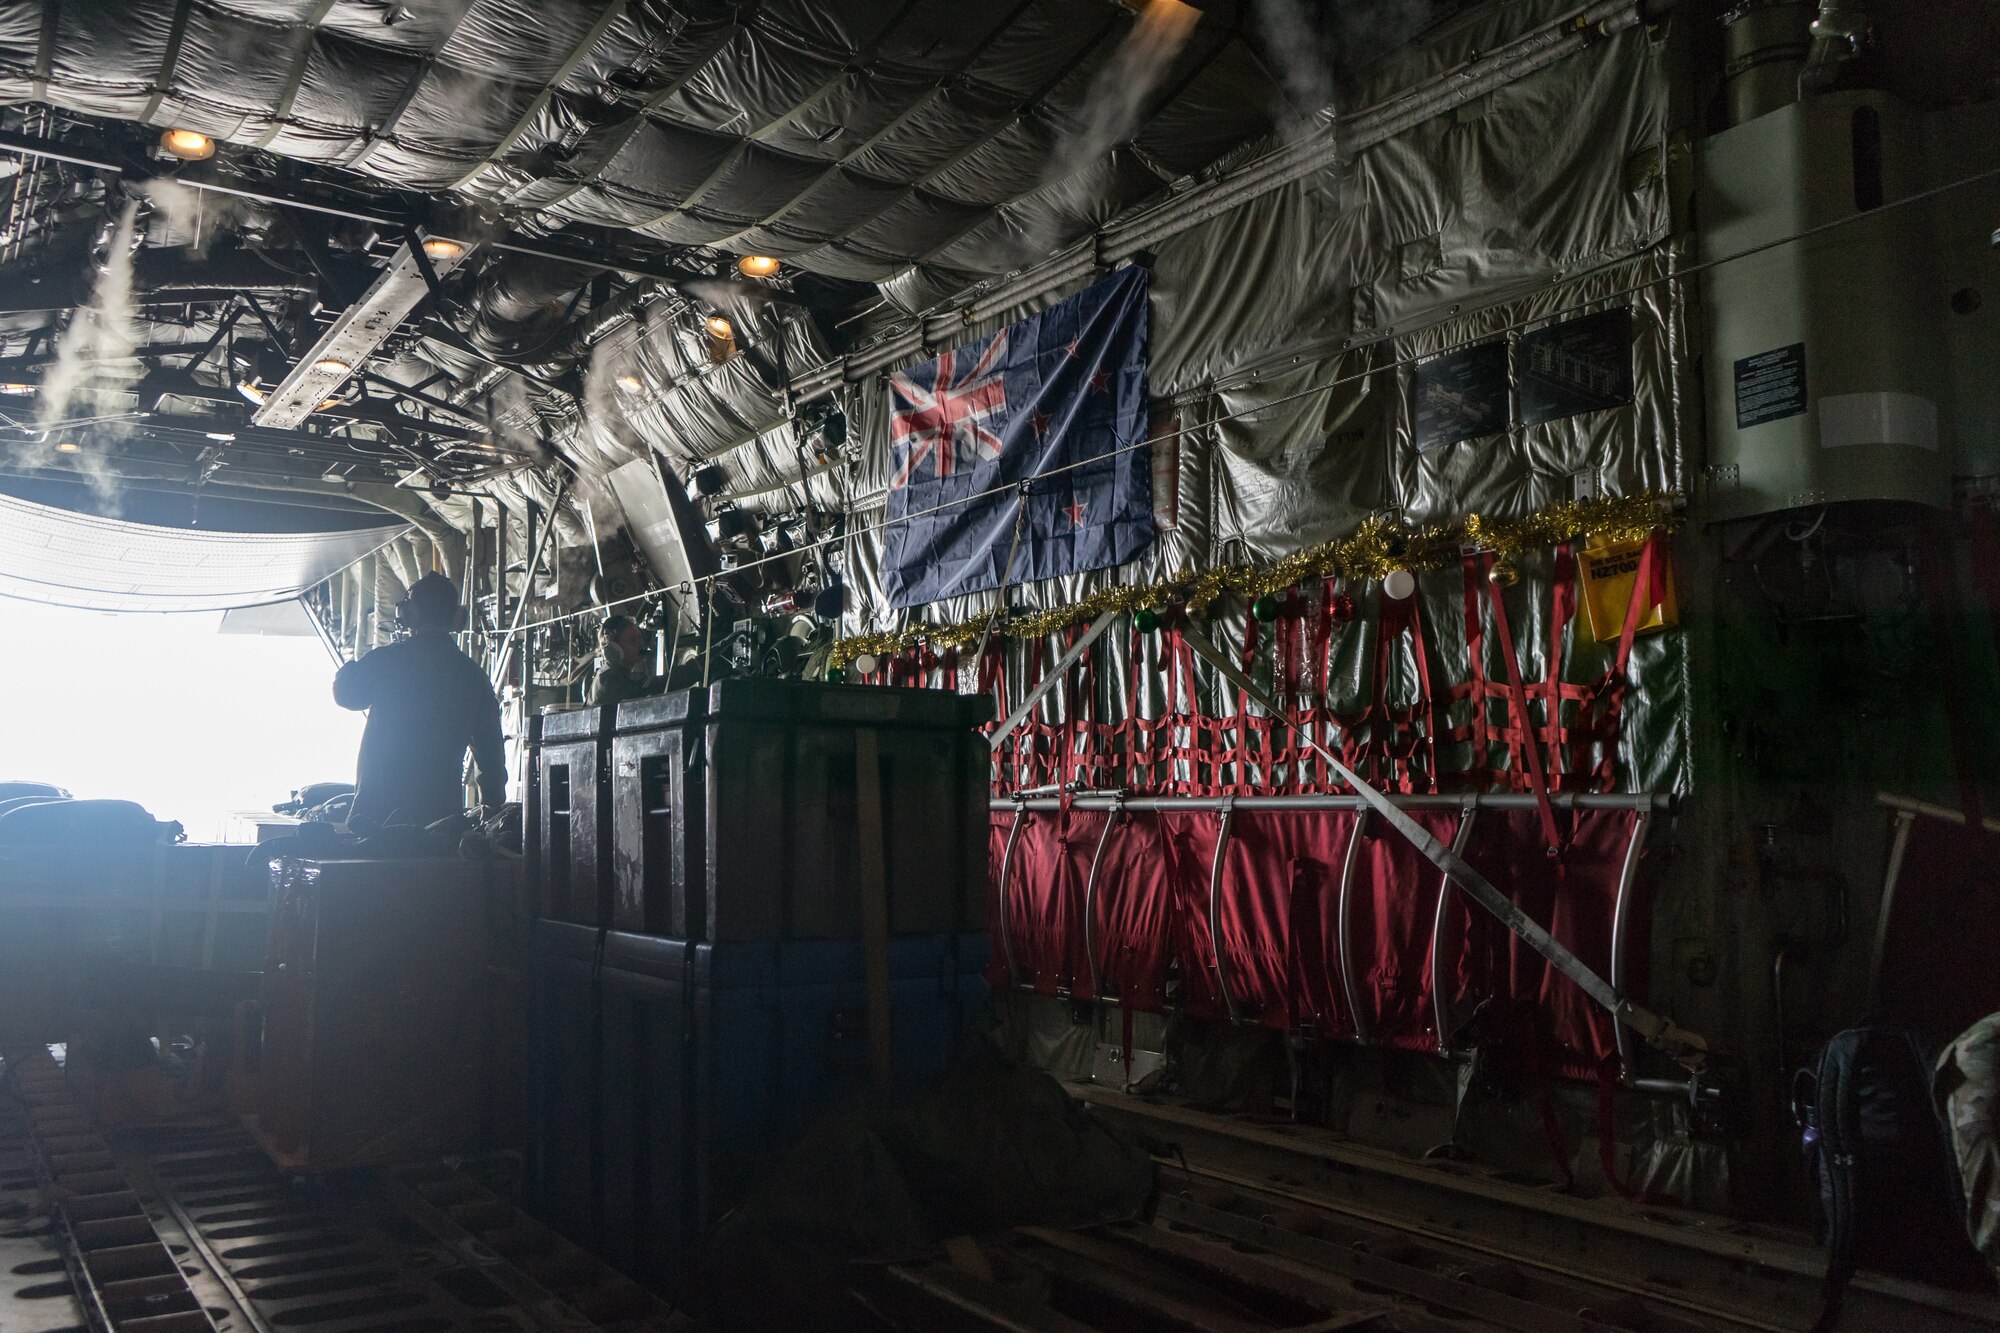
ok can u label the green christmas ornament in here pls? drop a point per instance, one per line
(1265, 608)
(836, 675)
(1146, 619)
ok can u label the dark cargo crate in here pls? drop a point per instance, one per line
(783, 837)
(561, 1159)
(377, 967)
(643, 989)
(781, 1037)
(658, 847)
(573, 817)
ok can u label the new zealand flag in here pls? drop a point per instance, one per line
(1059, 398)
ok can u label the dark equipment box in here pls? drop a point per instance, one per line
(560, 1162)
(571, 817)
(375, 1011)
(666, 1073)
(659, 835)
(782, 826)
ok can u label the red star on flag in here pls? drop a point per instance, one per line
(1070, 347)
(1101, 382)
(1040, 421)
(1077, 512)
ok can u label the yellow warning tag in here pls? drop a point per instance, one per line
(1609, 573)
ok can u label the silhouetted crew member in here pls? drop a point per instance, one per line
(427, 703)
(621, 666)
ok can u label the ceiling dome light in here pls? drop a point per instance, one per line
(17, 390)
(718, 327)
(757, 266)
(442, 248)
(188, 145)
(250, 390)
(629, 383)
(69, 447)
(333, 365)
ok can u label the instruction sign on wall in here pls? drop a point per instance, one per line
(1581, 365)
(1460, 395)
(1770, 386)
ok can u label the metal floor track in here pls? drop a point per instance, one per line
(1473, 1243)
(187, 1228)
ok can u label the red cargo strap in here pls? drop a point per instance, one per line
(1475, 657)
(1601, 711)
(1608, 1072)
(1531, 748)
(1562, 611)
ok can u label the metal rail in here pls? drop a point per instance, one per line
(1349, 986)
(1091, 800)
(1441, 1015)
(1007, 930)
(1621, 925)
(1215, 882)
(1111, 821)
(1688, 1048)
(1469, 804)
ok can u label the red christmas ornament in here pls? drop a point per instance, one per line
(929, 660)
(1342, 609)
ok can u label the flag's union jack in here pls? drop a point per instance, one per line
(948, 422)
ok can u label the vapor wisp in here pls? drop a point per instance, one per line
(100, 344)
(1289, 40)
(1118, 94)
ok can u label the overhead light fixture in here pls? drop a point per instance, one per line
(757, 266)
(333, 365)
(629, 382)
(17, 390)
(221, 436)
(718, 327)
(331, 402)
(249, 389)
(442, 248)
(188, 145)
(69, 447)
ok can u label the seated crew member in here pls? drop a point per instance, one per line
(621, 668)
(427, 703)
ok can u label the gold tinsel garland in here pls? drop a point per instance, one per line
(1379, 545)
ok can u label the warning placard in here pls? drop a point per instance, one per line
(1610, 573)
(1771, 386)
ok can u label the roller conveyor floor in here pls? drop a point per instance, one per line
(1259, 1227)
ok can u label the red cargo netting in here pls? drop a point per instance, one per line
(1156, 904)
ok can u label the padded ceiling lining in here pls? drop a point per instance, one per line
(854, 138)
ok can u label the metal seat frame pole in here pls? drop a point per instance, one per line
(1215, 886)
(1112, 820)
(1441, 1005)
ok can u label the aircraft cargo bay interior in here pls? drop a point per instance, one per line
(1057, 666)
